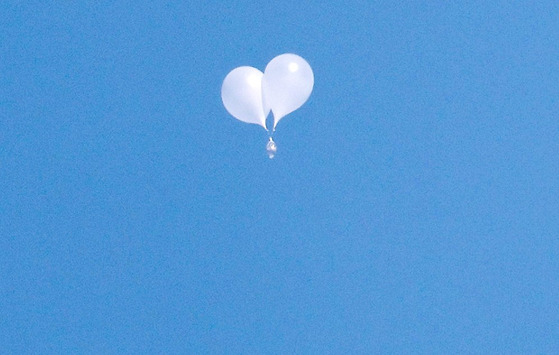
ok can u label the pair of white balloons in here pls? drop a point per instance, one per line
(249, 95)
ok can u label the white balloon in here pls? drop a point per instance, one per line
(287, 84)
(241, 94)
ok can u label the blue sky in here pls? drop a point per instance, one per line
(413, 205)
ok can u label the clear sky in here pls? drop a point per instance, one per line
(412, 207)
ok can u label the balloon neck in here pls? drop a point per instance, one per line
(271, 132)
